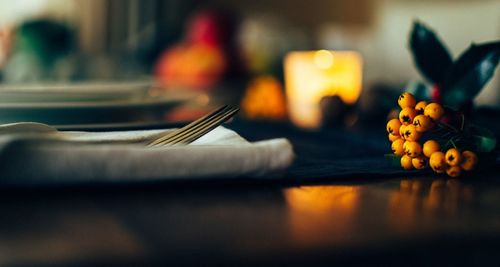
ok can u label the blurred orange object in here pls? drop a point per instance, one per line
(6, 40)
(264, 99)
(204, 57)
(194, 66)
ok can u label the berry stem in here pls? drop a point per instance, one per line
(446, 135)
(463, 122)
(448, 126)
(453, 143)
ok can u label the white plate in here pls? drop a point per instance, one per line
(73, 92)
(149, 108)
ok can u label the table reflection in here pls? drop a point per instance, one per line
(311, 209)
(47, 233)
(416, 202)
(333, 214)
(251, 221)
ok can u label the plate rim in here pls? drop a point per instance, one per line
(83, 86)
(150, 100)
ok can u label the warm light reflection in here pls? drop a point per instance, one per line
(312, 75)
(315, 211)
(415, 202)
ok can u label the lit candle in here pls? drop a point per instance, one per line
(312, 75)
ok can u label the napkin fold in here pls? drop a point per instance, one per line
(46, 157)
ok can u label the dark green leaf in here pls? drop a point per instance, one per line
(429, 54)
(484, 140)
(470, 73)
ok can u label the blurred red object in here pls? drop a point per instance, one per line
(210, 27)
(205, 56)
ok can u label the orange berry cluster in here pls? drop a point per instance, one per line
(414, 120)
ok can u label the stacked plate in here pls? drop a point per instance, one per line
(86, 103)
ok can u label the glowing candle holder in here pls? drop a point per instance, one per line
(312, 75)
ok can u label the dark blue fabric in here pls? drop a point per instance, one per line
(337, 153)
(329, 153)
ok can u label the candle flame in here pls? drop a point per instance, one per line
(323, 59)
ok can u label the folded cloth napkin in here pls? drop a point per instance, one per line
(31, 154)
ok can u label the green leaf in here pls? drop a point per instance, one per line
(429, 53)
(470, 73)
(484, 140)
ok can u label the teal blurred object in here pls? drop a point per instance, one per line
(43, 50)
(47, 40)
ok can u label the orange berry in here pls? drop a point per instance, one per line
(434, 111)
(412, 149)
(420, 106)
(469, 160)
(419, 162)
(453, 157)
(406, 100)
(405, 145)
(454, 171)
(430, 147)
(397, 147)
(411, 133)
(406, 162)
(393, 138)
(422, 123)
(402, 129)
(406, 116)
(392, 126)
(438, 162)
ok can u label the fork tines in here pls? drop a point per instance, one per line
(197, 128)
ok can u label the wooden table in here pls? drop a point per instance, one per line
(369, 219)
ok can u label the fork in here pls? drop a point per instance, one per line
(184, 135)
(196, 129)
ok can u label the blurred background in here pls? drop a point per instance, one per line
(232, 51)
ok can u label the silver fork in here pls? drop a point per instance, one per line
(184, 135)
(196, 129)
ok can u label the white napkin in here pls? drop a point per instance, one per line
(40, 158)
